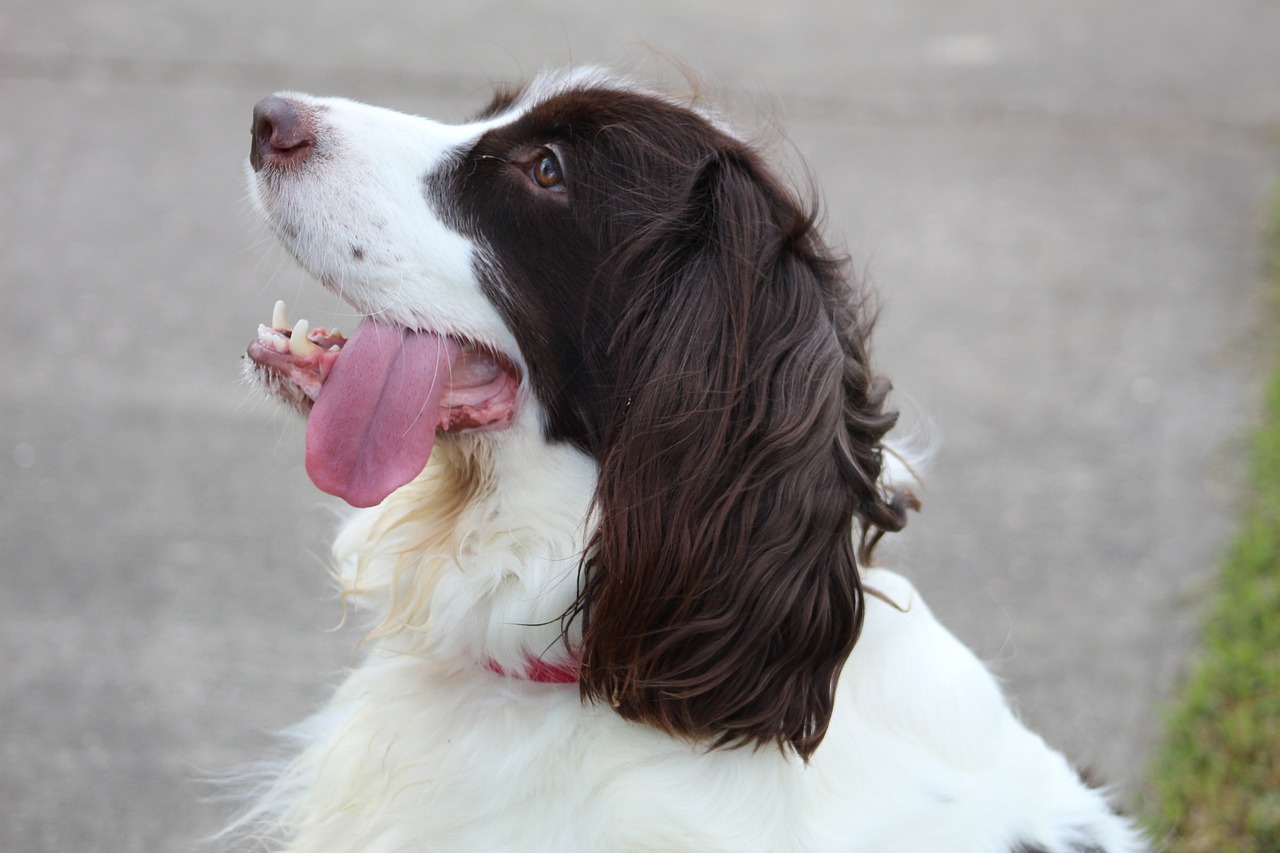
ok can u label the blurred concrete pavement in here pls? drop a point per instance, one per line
(1060, 205)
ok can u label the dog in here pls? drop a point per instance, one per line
(617, 457)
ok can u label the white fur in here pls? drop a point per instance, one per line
(425, 748)
(363, 188)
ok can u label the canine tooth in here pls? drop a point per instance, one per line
(298, 343)
(279, 317)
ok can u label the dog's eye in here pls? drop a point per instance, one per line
(546, 172)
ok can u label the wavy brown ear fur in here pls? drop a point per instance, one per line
(720, 592)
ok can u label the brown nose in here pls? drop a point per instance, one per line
(283, 133)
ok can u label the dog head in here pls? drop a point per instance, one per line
(611, 270)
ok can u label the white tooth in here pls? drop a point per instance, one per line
(280, 343)
(298, 343)
(279, 317)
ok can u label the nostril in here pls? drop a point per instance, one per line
(263, 128)
(283, 132)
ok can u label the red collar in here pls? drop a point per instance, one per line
(537, 669)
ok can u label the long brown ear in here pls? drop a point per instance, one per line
(720, 592)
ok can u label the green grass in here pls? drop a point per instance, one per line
(1217, 777)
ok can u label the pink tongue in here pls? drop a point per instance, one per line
(372, 428)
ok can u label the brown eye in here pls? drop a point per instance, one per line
(546, 173)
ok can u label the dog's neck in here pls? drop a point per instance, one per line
(477, 560)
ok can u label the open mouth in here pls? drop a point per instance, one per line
(374, 401)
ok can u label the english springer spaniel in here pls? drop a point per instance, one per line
(619, 448)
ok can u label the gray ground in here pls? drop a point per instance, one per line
(1060, 203)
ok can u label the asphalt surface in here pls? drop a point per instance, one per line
(1060, 204)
